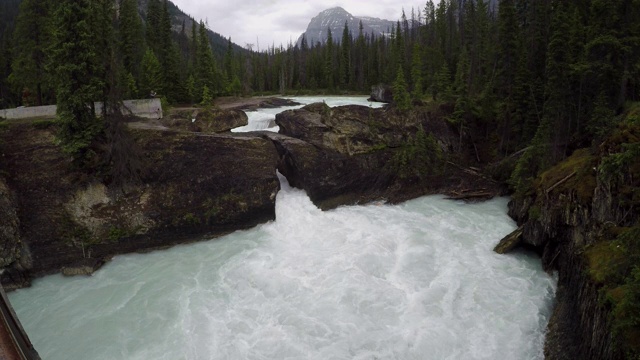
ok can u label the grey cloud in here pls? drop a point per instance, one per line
(279, 21)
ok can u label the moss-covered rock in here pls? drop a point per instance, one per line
(355, 129)
(352, 154)
(583, 217)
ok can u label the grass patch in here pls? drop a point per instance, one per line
(43, 124)
(615, 265)
(584, 182)
(605, 260)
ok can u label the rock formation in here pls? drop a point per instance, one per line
(195, 187)
(381, 93)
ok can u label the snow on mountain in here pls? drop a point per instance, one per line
(335, 19)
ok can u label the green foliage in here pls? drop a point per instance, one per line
(205, 70)
(31, 38)
(151, 76)
(130, 86)
(75, 234)
(43, 124)
(614, 265)
(207, 98)
(574, 174)
(419, 157)
(534, 212)
(190, 219)
(191, 89)
(614, 166)
(130, 39)
(117, 233)
(442, 84)
(534, 160)
(74, 63)
(401, 96)
(622, 151)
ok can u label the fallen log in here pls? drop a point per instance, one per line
(561, 182)
(510, 241)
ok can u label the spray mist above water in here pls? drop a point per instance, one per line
(413, 281)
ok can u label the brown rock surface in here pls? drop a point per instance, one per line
(196, 186)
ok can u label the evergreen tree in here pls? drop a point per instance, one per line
(442, 84)
(345, 56)
(401, 96)
(31, 38)
(229, 67)
(131, 37)
(153, 25)
(8, 98)
(102, 16)
(151, 74)
(207, 98)
(329, 67)
(416, 72)
(205, 70)
(73, 63)
(169, 58)
(557, 90)
(507, 58)
(194, 46)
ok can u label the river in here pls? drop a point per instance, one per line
(263, 119)
(417, 280)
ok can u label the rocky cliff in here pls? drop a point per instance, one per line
(195, 186)
(355, 154)
(583, 219)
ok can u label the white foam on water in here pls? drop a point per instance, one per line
(412, 281)
(263, 119)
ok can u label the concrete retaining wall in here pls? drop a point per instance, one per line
(29, 112)
(145, 108)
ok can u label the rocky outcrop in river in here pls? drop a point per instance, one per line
(194, 187)
(353, 154)
(197, 185)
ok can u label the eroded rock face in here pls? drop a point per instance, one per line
(195, 187)
(381, 93)
(561, 223)
(9, 227)
(351, 154)
(331, 178)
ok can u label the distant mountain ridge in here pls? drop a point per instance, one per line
(335, 19)
(179, 17)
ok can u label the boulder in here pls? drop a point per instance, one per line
(349, 130)
(381, 93)
(208, 120)
(331, 178)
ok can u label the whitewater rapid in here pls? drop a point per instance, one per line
(264, 119)
(412, 281)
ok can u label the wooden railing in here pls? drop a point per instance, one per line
(12, 326)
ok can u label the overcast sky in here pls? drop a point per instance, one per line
(265, 22)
